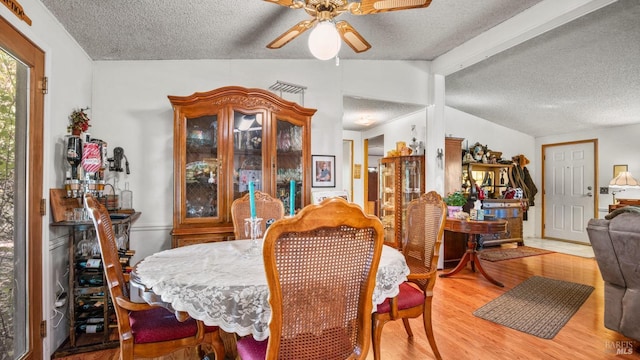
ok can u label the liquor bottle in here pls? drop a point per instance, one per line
(126, 198)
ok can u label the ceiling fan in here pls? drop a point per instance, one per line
(324, 11)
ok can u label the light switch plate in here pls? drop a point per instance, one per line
(604, 190)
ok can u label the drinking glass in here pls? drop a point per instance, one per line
(253, 231)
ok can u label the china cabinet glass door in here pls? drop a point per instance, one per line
(387, 200)
(201, 167)
(247, 151)
(288, 162)
(411, 184)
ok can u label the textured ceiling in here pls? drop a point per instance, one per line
(579, 76)
(241, 29)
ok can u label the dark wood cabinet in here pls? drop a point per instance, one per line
(225, 138)
(455, 244)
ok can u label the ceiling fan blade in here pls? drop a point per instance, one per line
(288, 3)
(352, 37)
(292, 33)
(378, 6)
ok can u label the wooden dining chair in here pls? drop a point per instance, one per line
(267, 208)
(144, 330)
(426, 217)
(321, 270)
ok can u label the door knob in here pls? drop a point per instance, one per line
(589, 194)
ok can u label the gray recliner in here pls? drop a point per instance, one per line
(616, 245)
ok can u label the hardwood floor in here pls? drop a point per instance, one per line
(461, 336)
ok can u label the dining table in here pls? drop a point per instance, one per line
(219, 284)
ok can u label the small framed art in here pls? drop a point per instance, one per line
(324, 169)
(617, 169)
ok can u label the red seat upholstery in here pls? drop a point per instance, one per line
(408, 297)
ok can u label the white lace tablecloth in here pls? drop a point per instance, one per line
(215, 283)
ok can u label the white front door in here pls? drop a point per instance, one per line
(569, 196)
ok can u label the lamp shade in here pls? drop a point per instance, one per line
(624, 179)
(324, 41)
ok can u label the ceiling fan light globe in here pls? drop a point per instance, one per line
(324, 41)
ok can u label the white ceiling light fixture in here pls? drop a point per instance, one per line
(324, 41)
(365, 121)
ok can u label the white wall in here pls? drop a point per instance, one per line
(616, 146)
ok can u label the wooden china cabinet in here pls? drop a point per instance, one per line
(401, 180)
(225, 138)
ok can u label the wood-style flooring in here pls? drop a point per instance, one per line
(461, 336)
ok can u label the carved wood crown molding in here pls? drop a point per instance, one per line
(246, 101)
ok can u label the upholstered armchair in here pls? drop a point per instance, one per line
(616, 245)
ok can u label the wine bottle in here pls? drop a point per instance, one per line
(90, 280)
(90, 328)
(89, 305)
(89, 264)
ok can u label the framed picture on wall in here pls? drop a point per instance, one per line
(617, 169)
(324, 169)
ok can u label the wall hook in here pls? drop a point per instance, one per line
(440, 156)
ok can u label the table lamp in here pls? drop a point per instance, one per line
(623, 181)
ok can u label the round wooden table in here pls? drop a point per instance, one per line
(473, 228)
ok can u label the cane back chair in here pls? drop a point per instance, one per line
(426, 217)
(144, 330)
(321, 270)
(267, 208)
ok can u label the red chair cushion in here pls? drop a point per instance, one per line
(251, 349)
(158, 324)
(408, 297)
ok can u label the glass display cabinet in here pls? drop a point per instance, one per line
(493, 179)
(401, 180)
(226, 138)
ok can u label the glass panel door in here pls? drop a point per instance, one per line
(13, 242)
(289, 163)
(411, 181)
(387, 200)
(202, 166)
(247, 152)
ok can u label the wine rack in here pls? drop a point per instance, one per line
(92, 320)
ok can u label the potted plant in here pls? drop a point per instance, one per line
(78, 121)
(454, 202)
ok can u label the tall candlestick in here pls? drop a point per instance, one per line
(252, 200)
(292, 197)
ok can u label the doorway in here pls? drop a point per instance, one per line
(21, 156)
(374, 151)
(569, 190)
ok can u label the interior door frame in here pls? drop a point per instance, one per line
(31, 55)
(595, 180)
